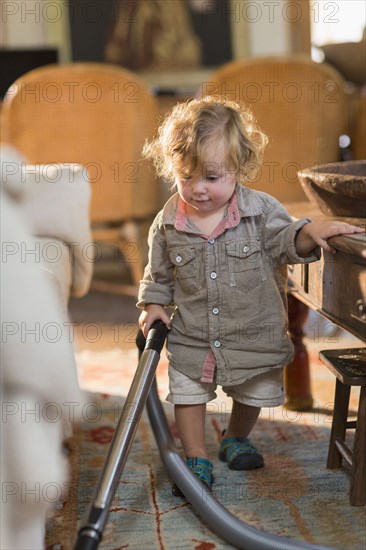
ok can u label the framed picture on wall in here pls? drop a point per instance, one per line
(157, 35)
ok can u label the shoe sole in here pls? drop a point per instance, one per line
(240, 464)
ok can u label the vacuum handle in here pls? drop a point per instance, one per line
(155, 338)
(85, 542)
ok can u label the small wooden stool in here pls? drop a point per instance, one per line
(349, 366)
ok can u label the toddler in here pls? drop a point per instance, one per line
(218, 252)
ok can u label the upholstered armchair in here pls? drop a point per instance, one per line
(99, 116)
(299, 104)
(44, 237)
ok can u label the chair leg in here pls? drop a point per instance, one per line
(358, 479)
(338, 431)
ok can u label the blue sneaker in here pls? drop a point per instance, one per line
(240, 454)
(202, 468)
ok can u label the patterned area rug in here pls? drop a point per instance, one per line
(294, 496)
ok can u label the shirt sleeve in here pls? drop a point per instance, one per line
(157, 285)
(279, 235)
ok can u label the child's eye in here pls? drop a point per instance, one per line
(212, 178)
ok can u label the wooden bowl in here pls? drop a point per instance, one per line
(338, 188)
(349, 58)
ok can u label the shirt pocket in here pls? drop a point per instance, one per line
(186, 268)
(244, 260)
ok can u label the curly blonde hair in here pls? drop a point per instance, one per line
(192, 127)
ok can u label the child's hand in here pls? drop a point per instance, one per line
(317, 234)
(151, 313)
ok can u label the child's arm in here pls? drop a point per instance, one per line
(316, 234)
(151, 313)
(157, 286)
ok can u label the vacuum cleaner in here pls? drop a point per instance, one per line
(143, 391)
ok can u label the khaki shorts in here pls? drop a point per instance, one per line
(263, 390)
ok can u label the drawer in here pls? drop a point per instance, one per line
(344, 292)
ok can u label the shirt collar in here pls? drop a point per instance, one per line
(248, 201)
(230, 219)
(243, 203)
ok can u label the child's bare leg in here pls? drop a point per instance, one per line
(242, 420)
(190, 420)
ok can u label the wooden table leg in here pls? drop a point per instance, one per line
(297, 373)
(358, 479)
(339, 423)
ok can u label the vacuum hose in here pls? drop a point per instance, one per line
(218, 518)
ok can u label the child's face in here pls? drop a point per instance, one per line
(210, 187)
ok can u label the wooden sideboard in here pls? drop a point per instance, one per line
(336, 285)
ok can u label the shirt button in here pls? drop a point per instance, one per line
(215, 310)
(178, 259)
(245, 249)
(217, 343)
(211, 241)
(213, 275)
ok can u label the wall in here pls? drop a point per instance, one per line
(266, 25)
(36, 24)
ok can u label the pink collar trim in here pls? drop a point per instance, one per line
(230, 219)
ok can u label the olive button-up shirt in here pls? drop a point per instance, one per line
(228, 289)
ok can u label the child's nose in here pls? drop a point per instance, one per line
(199, 186)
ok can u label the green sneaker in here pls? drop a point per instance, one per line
(240, 454)
(202, 468)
